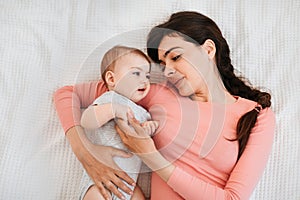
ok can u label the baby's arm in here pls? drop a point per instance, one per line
(150, 127)
(96, 116)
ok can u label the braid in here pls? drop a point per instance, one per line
(236, 86)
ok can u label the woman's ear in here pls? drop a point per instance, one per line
(110, 79)
(210, 47)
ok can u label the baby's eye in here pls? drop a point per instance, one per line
(176, 57)
(148, 76)
(136, 73)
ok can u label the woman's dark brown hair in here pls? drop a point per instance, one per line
(197, 28)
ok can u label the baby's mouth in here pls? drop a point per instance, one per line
(141, 89)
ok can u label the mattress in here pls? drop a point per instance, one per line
(45, 45)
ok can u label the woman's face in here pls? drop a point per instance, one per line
(186, 65)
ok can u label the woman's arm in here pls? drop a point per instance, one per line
(98, 162)
(246, 173)
(68, 101)
(242, 180)
(139, 142)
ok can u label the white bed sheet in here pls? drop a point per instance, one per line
(47, 44)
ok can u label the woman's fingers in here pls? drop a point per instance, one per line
(103, 170)
(139, 131)
(115, 181)
(119, 174)
(111, 187)
(122, 135)
(112, 181)
(123, 125)
(121, 185)
(102, 190)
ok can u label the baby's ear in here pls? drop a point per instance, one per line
(210, 48)
(110, 79)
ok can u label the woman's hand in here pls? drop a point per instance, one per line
(136, 138)
(99, 164)
(139, 142)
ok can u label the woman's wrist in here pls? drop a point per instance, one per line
(78, 141)
(159, 164)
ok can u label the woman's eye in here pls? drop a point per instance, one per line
(148, 76)
(176, 57)
(162, 65)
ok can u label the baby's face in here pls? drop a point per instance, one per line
(132, 76)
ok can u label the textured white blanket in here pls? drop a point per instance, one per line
(47, 44)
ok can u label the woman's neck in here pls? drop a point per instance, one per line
(214, 92)
(225, 98)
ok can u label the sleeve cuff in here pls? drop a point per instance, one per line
(174, 178)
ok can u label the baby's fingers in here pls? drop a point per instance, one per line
(153, 126)
(147, 129)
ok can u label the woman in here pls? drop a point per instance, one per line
(226, 152)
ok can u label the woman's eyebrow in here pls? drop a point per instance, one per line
(167, 52)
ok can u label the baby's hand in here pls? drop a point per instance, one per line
(150, 127)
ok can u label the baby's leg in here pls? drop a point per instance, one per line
(93, 193)
(137, 194)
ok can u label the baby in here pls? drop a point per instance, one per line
(125, 72)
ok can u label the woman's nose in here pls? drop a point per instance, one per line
(168, 72)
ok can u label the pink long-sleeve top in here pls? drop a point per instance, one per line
(196, 137)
